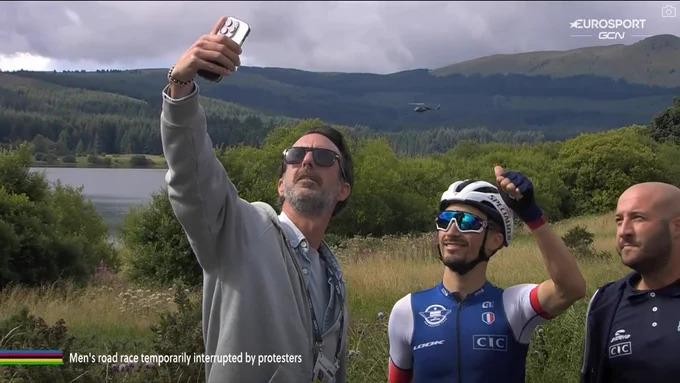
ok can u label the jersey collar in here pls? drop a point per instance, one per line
(453, 294)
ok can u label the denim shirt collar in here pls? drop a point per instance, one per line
(295, 238)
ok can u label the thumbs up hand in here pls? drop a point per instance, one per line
(517, 191)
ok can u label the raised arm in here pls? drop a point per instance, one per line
(205, 54)
(198, 186)
(566, 284)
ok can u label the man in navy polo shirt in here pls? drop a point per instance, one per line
(633, 324)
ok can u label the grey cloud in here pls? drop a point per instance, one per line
(378, 37)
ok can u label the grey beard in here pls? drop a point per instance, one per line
(310, 205)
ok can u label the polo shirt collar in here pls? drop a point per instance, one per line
(672, 290)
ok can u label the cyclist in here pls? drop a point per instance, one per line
(465, 329)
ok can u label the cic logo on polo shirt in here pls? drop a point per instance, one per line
(619, 348)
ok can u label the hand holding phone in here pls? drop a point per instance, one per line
(235, 29)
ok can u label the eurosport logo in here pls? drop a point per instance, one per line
(608, 29)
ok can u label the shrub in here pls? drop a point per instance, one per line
(52, 158)
(25, 331)
(556, 348)
(139, 160)
(42, 157)
(162, 254)
(580, 241)
(68, 159)
(95, 160)
(46, 234)
(181, 332)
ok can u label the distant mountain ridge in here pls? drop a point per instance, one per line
(556, 103)
(652, 61)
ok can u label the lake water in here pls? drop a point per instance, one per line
(112, 191)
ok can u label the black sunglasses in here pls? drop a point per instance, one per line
(322, 157)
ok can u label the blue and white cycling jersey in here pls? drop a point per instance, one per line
(483, 338)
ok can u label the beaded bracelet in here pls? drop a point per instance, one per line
(177, 82)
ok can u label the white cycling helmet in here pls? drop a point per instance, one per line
(485, 197)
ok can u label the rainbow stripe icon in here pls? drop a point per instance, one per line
(31, 358)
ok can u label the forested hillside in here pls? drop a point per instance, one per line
(504, 100)
(81, 121)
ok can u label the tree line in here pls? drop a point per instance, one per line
(47, 233)
(62, 121)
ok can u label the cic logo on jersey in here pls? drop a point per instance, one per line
(490, 342)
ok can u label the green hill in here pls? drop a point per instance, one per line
(652, 61)
(554, 95)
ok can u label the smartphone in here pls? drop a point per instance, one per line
(235, 29)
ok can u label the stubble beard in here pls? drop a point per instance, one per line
(652, 256)
(308, 202)
(460, 266)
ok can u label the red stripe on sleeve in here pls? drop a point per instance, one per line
(397, 375)
(536, 304)
(535, 224)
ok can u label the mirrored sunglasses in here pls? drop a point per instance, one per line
(465, 222)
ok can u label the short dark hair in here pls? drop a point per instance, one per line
(346, 164)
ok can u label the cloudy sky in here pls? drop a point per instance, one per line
(374, 37)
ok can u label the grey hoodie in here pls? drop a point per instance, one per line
(254, 297)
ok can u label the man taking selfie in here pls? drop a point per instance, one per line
(272, 289)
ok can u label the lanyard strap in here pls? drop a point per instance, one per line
(318, 340)
(316, 329)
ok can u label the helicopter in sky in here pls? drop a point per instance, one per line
(423, 107)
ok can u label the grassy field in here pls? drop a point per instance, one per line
(378, 271)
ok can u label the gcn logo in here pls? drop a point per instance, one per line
(611, 35)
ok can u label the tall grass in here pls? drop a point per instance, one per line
(98, 312)
(378, 272)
